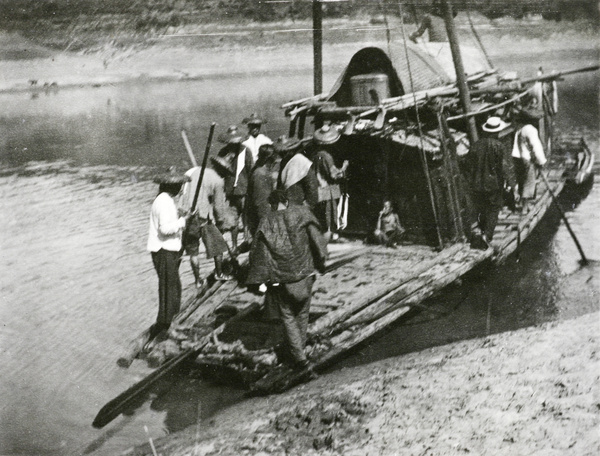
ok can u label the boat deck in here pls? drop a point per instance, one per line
(365, 289)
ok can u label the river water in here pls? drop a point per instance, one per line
(76, 284)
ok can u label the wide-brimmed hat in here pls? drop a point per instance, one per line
(172, 176)
(253, 119)
(284, 144)
(231, 136)
(326, 135)
(494, 124)
(222, 163)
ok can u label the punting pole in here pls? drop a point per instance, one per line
(318, 46)
(461, 81)
(423, 154)
(584, 260)
(204, 162)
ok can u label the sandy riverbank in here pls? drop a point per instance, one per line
(210, 50)
(533, 391)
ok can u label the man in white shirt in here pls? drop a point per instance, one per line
(528, 154)
(252, 144)
(164, 243)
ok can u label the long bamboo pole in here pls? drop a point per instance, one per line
(318, 46)
(461, 81)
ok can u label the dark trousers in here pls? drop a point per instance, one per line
(293, 302)
(167, 264)
(487, 207)
(326, 212)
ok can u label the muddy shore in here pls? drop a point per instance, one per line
(532, 391)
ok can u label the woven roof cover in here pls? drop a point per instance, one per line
(431, 142)
(431, 66)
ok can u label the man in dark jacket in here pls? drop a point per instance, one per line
(297, 176)
(489, 171)
(232, 156)
(263, 180)
(288, 246)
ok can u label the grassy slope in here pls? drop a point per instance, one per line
(91, 25)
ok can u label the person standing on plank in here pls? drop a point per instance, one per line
(489, 172)
(263, 181)
(165, 246)
(255, 139)
(211, 216)
(233, 155)
(329, 176)
(246, 161)
(287, 249)
(297, 175)
(528, 155)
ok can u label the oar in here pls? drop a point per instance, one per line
(119, 404)
(115, 407)
(584, 261)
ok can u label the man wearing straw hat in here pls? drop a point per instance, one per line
(252, 144)
(236, 183)
(297, 176)
(211, 216)
(528, 154)
(489, 171)
(165, 245)
(329, 176)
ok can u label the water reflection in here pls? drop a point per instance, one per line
(136, 124)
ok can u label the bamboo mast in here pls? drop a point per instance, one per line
(461, 81)
(317, 47)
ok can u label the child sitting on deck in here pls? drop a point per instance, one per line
(389, 231)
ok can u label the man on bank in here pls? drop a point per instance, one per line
(433, 23)
(210, 216)
(287, 249)
(165, 246)
(489, 171)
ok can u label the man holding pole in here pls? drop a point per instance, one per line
(204, 196)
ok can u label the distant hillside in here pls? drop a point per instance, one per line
(175, 11)
(98, 25)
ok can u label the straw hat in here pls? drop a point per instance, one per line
(231, 136)
(494, 125)
(253, 119)
(326, 135)
(284, 144)
(172, 176)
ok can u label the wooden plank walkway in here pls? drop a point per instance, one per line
(350, 303)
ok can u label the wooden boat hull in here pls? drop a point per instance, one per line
(366, 289)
